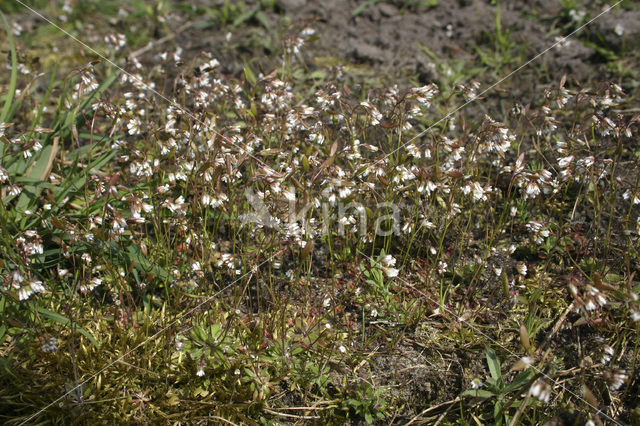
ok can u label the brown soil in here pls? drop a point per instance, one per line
(387, 38)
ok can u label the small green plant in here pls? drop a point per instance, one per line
(504, 51)
(136, 288)
(365, 401)
(379, 275)
(503, 397)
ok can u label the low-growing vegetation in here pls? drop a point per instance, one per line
(186, 241)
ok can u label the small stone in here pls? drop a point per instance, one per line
(367, 52)
(387, 9)
(290, 5)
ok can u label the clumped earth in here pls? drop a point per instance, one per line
(409, 41)
(139, 286)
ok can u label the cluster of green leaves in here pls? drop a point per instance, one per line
(505, 397)
(286, 345)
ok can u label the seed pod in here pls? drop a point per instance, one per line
(524, 338)
(308, 248)
(590, 397)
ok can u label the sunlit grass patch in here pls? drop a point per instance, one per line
(181, 243)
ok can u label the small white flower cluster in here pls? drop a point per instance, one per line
(116, 41)
(28, 244)
(538, 230)
(541, 390)
(90, 285)
(618, 379)
(388, 262)
(608, 353)
(588, 299)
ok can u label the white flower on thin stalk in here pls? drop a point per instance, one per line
(427, 187)
(133, 126)
(532, 190)
(477, 190)
(388, 260)
(618, 379)
(541, 390)
(634, 197)
(289, 194)
(608, 354)
(522, 268)
(391, 272)
(33, 287)
(442, 267)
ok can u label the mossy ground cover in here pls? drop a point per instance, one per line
(221, 213)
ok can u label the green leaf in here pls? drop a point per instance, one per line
(497, 413)
(143, 265)
(60, 319)
(14, 74)
(478, 393)
(39, 171)
(244, 17)
(520, 381)
(249, 75)
(262, 18)
(494, 365)
(358, 10)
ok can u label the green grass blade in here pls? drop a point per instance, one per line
(56, 317)
(14, 72)
(41, 167)
(358, 10)
(4, 115)
(494, 365)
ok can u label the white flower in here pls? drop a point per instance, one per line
(391, 272)
(522, 269)
(618, 379)
(532, 190)
(541, 390)
(476, 383)
(289, 194)
(200, 371)
(388, 260)
(442, 267)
